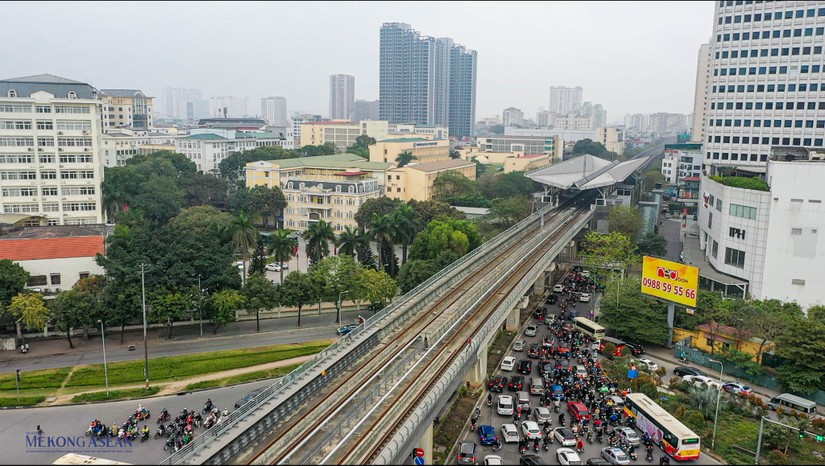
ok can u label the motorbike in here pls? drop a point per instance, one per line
(207, 407)
(198, 420)
(497, 446)
(590, 437)
(164, 416)
(546, 445)
(632, 455)
(159, 433)
(144, 436)
(522, 449)
(170, 443)
(536, 445)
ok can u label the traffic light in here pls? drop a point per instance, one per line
(820, 438)
(801, 434)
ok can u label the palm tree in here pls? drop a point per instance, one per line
(347, 241)
(244, 237)
(317, 236)
(282, 246)
(382, 230)
(405, 158)
(405, 231)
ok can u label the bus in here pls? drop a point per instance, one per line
(665, 430)
(74, 458)
(589, 328)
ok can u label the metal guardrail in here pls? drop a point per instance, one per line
(414, 296)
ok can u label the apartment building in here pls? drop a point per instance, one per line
(681, 161)
(122, 145)
(512, 117)
(341, 96)
(611, 138)
(415, 181)
(564, 99)
(548, 145)
(700, 99)
(424, 149)
(51, 164)
(273, 110)
(342, 133)
(208, 147)
(125, 108)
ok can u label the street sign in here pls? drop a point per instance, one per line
(419, 452)
(671, 281)
(632, 374)
(419, 460)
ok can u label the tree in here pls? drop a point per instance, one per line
(497, 129)
(626, 220)
(298, 289)
(282, 246)
(454, 154)
(381, 206)
(221, 308)
(405, 228)
(29, 310)
(505, 185)
(259, 294)
(318, 236)
(445, 237)
(382, 229)
(803, 347)
(451, 184)
(653, 244)
(72, 309)
(376, 287)
(243, 236)
(614, 249)
(588, 146)
(204, 189)
(506, 212)
(13, 279)
(167, 307)
(258, 262)
(264, 203)
(346, 241)
(637, 317)
(427, 211)
(363, 249)
(404, 158)
(336, 276)
(415, 272)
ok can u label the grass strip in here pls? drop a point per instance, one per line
(33, 380)
(6, 402)
(243, 378)
(115, 395)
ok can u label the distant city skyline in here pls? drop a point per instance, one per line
(622, 62)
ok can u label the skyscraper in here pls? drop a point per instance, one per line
(424, 80)
(365, 110)
(273, 110)
(341, 96)
(175, 100)
(564, 99)
(700, 99)
(764, 85)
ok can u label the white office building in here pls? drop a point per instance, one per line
(700, 98)
(273, 110)
(681, 161)
(208, 147)
(50, 150)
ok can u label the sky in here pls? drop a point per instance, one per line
(632, 57)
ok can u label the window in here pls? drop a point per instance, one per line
(37, 280)
(72, 95)
(735, 258)
(796, 231)
(715, 249)
(55, 278)
(742, 211)
(710, 220)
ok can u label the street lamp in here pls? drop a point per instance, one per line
(200, 304)
(718, 397)
(145, 340)
(338, 321)
(105, 366)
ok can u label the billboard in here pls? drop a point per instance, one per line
(671, 281)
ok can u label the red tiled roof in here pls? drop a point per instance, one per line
(50, 248)
(720, 329)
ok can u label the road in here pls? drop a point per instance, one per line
(56, 353)
(72, 421)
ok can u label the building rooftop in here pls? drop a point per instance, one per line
(42, 79)
(585, 172)
(323, 123)
(409, 140)
(55, 85)
(340, 161)
(123, 92)
(691, 178)
(54, 231)
(532, 156)
(28, 249)
(205, 137)
(430, 167)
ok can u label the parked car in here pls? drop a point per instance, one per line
(518, 345)
(467, 453)
(504, 405)
(736, 388)
(568, 456)
(531, 430)
(345, 329)
(516, 383)
(531, 330)
(584, 297)
(542, 414)
(558, 288)
(700, 381)
(564, 436)
(487, 434)
(682, 371)
(247, 398)
(615, 455)
(507, 363)
(497, 384)
(509, 433)
(273, 267)
(598, 462)
(647, 365)
(628, 435)
(525, 366)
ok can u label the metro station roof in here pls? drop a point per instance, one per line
(585, 172)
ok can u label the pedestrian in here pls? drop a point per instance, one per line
(39, 430)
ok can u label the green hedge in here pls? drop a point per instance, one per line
(756, 184)
(24, 401)
(115, 395)
(33, 380)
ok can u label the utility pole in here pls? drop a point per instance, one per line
(145, 340)
(105, 366)
(200, 304)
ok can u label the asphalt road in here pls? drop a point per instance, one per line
(60, 422)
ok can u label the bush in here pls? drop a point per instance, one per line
(695, 420)
(818, 423)
(660, 372)
(675, 380)
(777, 457)
(755, 184)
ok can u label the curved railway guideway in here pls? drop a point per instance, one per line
(304, 437)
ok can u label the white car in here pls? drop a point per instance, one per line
(647, 365)
(628, 435)
(584, 297)
(509, 433)
(508, 363)
(615, 455)
(530, 430)
(568, 456)
(239, 264)
(581, 372)
(273, 267)
(558, 289)
(700, 381)
(531, 330)
(518, 345)
(565, 436)
(494, 460)
(504, 406)
(585, 273)
(542, 415)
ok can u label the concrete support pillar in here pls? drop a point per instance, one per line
(512, 322)
(538, 287)
(478, 373)
(426, 444)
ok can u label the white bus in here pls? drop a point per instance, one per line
(673, 437)
(589, 328)
(74, 458)
(796, 403)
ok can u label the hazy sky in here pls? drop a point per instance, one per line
(632, 57)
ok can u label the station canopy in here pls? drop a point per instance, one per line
(586, 172)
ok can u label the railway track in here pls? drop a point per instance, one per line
(291, 443)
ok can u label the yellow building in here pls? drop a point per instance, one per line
(387, 150)
(329, 187)
(611, 138)
(526, 163)
(342, 133)
(720, 338)
(125, 108)
(415, 182)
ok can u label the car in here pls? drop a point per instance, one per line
(493, 460)
(487, 434)
(682, 371)
(518, 345)
(239, 264)
(531, 460)
(345, 329)
(497, 384)
(507, 363)
(504, 405)
(531, 330)
(467, 453)
(552, 299)
(581, 372)
(700, 381)
(597, 462)
(525, 366)
(546, 368)
(558, 288)
(736, 388)
(585, 273)
(635, 348)
(509, 433)
(568, 456)
(516, 383)
(647, 365)
(615, 455)
(248, 397)
(584, 297)
(628, 435)
(578, 410)
(565, 436)
(274, 267)
(533, 351)
(531, 430)
(542, 414)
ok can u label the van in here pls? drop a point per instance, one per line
(617, 401)
(523, 399)
(788, 401)
(536, 386)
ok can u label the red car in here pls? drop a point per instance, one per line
(578, 411)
